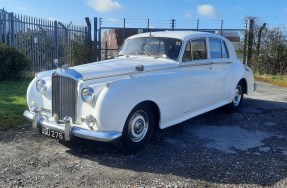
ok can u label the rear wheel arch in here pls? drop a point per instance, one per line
(244, 84)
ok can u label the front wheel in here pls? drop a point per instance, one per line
(237, 99)
(138, 129)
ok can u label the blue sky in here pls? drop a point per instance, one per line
(136, 12)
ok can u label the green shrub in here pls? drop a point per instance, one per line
(12, 63)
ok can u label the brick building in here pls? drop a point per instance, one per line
(113, 39)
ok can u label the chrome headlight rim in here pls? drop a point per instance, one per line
(88, 94)
(41, 86)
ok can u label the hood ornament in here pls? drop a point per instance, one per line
(57, 64)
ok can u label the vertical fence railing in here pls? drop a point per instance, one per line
(44, 40)
(40, 40)
(110, 38)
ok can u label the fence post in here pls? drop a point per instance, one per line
(100, 41)
(89, 31)
(148, 24)
(250, 40)
(12, 31)
(56, 40)
(1, 30)
(124, 29)
(245, 43)
(221, 27)
(259, 38)
(172, 24)
(1, 27)
(106, 50)
(96, 38)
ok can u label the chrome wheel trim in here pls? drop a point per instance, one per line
(138, 126)
(238, 95)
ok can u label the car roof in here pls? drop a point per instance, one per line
(177, 34)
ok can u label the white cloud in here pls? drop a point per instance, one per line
(20, 8)
(187, 14)
(206, 10)
(51, 18)
(104, 5)
(114, 20)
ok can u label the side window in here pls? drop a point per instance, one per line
(198, 48)
(194, 50)
(187, 53)
(217, 48)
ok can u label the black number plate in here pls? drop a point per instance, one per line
(52, 133)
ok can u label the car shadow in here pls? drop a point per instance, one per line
(191, 149)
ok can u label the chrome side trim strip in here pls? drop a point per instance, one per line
(216, 63)
(194, 64)
(108, 76)
(129, 73)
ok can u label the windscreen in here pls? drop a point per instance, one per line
(158, 47)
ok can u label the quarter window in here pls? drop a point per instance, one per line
(195, 50)
(187, 53)
(217, 49)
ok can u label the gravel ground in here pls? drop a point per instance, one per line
(216, 149)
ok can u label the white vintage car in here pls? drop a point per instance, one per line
(158, 79)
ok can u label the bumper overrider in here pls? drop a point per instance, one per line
(39, 121)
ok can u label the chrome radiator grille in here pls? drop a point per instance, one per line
(64, 96)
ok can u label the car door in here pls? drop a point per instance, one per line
(196, 71)
(221, 63)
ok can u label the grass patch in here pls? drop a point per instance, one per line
(273, 79)
(12, 103)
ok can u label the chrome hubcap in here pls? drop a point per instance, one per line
(138, 126)
(237, 97)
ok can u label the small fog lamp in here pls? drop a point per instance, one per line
(90, 121)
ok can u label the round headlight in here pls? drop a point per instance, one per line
(41, 86)
(88, 94)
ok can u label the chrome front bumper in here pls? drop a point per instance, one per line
(39, 122)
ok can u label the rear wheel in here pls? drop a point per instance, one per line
(138, 129)
(237, 99)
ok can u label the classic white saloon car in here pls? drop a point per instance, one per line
(158, 79)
